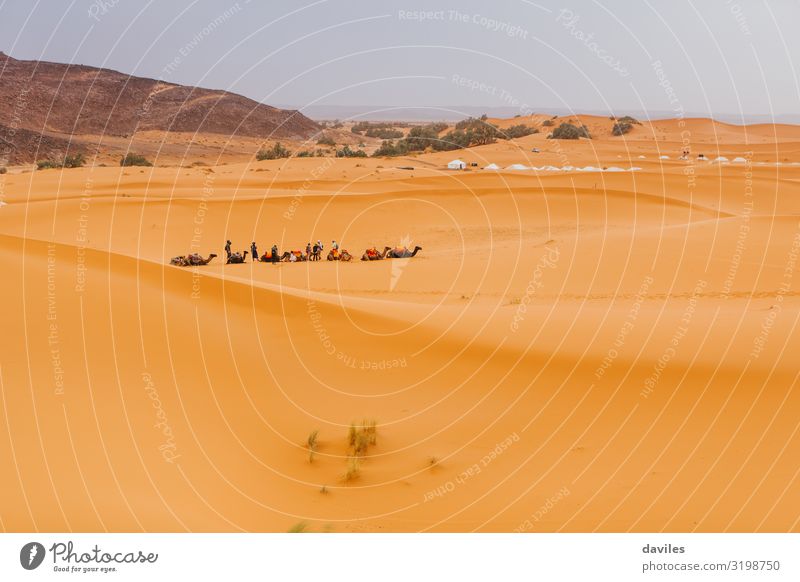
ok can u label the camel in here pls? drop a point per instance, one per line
(191, 260)
(343, 255)
(401, 252)
(374, 254)
(195, 260)
(237, 258)
(293, 256)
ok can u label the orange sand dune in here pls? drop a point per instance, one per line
(570, 351)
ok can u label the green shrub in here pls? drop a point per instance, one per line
(346, 152)
(76, 161)
(360, 127)
(379, 130)
(384, 133)
(629, 119)
(516, 131)
(621, 128)
(326, 140)
(467, 133)
(276, 152)
(548, 123)
(47, 165)
(569, 131)
(390, 148)
(134, 160)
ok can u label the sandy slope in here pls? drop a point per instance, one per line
(513, 366)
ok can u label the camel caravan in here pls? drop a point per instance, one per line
(311, 253)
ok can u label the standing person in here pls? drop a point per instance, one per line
(308, 251)
(254, 250)
(335, 249)
(274, 253)
(228, 248)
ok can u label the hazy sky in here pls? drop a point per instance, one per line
(709, 56)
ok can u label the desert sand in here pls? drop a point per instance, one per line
(570, 351)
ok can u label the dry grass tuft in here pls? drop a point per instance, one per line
(312, 444)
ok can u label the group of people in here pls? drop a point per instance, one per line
(312, 253)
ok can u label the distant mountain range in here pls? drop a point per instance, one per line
(456, 112)
(46, 108)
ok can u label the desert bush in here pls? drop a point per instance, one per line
(629, 119)
(276, 152)
(477, 131)
(360, 127)
(312, 443)
(304, 154)
(326, 140)
(346, 152)
(361, 436)
(47, 164)
(384, 133)
(621, 128)
(425, 138)
(76, 161)
(353, 469)
(3, 170)
(362, 444)
(134, 160)
(569, 131)
(519, 130)
(299, 527)
(371, 430)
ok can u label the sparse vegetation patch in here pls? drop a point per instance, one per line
(569, 131)
(134, 160)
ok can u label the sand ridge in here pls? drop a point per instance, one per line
(570, 351)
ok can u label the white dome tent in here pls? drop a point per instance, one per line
(456, 165)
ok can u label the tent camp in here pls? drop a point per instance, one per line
(492, 167)
(456, 165)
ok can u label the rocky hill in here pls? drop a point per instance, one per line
(72, 103)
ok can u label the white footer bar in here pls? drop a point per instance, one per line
(406, 557)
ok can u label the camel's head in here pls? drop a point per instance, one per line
(211, 256)
(417, 248)
(244, 254)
